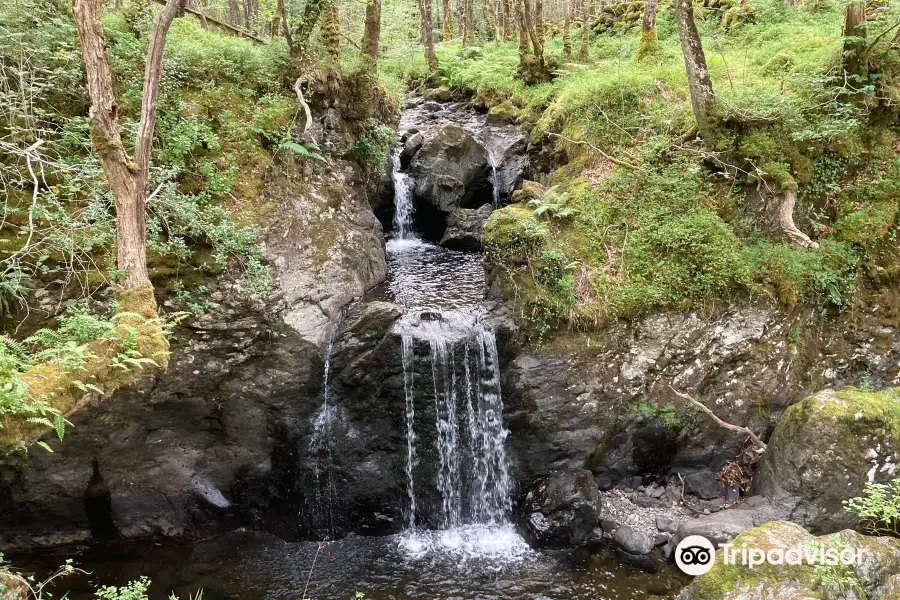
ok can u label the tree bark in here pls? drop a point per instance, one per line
(699, 83)
(469, 18)
(536, 42)
(522, 26)
(234, 13)
(127, 178)
(331, 28)
(507, 21)
(854, 52)
(786, 221)
(447, 19)
(567, 26)
(426, 26)
(649, 39)
(584, 50)
(539, 26)
(460, 20)
(372, 32)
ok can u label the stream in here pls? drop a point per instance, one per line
(469, 549)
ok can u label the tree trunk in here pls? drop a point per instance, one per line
(507, 21)
(234, 13)
(372, 31)
(649, 40)
(785, 221)
(127, 178)
(567, 26)
(331, 28)
(447, 20)
(460, 20)
(532, 30)
(584, 50)
(699, 83)
(539, 26)
(854, 54)
(522, 26)
(426, 26)
(469, 18)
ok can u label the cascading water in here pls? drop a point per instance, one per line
(320, 448)
(495, 181)
(411, 458)
(403, 201)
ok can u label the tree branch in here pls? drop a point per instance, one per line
(152, 73)
(302, 101)
(756, 441)
(612, 159)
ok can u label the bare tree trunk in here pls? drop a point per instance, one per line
(584, 50)
(507, 21)
(539, 25)
(426, 26)
(649, 39)
(460, 20)
(372, 32)
(469, 19)
(522, 25)
(234, 13)
(699, 83)
(854, 54)
(331, 28)
(567, 26)
(532, 30)
(127, 178)
(447, 21)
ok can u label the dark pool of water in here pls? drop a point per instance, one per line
(253, 566)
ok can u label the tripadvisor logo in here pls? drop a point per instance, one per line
(695, 555)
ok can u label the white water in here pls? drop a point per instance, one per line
(495, 182)
(403, 201)
(320, 447)
(411, 459)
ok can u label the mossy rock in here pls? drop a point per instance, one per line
(510, 233)
(825, 449)
(778, 64)
(505, 111)
(787, 582)
(530, 190)
(441, 94)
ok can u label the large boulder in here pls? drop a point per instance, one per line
(825, 449)
(451, 169)
(723, 526)
(870, 578)
(561, 510)
(465, 228)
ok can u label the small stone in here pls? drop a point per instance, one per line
(608, 525)
(660, 539)
(657, 492)
(665, 524)
(632, 541)
(705, 511)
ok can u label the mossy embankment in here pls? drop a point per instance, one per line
(642, 217)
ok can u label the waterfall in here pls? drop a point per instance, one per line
(320, 447)
(495, 182)
(473, 469)
(411, 459)
(403, 201)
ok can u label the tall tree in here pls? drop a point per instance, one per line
(507, 21)
(372, 30)
(460, 19)
(469, 19)
(331, 28)
(447, 18)
(567, 27)
(127, 177)
(699, 83)
(426, 26)
(584, 50)
(539, 25)
(299, 34)
(854, 54)
(234, 13)
(649, 39)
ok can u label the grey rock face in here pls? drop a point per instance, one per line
(561, 510)
(725, 525)
(703, 484)
(465, 227)
(447, 167)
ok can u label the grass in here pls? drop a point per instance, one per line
(677, 231)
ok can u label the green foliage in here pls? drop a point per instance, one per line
(372, 145)
(666, 413)
(878, 508)
(134, 590)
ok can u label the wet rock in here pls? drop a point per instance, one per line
(738, 582)
(632, 542)
(665, 524)
(660, 539)
(823, 451)
(451, 169)
(561, 510)
(703, 484)
(727, 524)
(411, 145)
(465, 228)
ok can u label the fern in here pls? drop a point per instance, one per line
(299, 149)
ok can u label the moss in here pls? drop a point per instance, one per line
(138, 328)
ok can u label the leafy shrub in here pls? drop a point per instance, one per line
(878, 508)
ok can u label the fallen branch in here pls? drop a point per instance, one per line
(222, 25)
(611, 159)
(297, 88)
(756, 441)
(153, 195)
